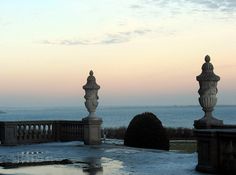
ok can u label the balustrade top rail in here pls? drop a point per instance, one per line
(39, 121)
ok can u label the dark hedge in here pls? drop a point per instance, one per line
(146, 131)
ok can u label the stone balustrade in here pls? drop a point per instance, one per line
(25, 132)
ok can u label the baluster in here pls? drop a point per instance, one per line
(22, 132)
(37, 131)
(26, 132)
(44, 131)
(30, 131)
(53, 134)
(17, 132)
(76, 129)
(51, 128)
(34, 131)
(40, 131)
(80, 131)
(70, 130)
(50, 131)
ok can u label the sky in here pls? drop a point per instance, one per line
(142, 52)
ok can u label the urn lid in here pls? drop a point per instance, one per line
(91, 82)
(207, 71)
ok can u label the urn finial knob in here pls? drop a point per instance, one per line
(91, 73)
(207, 58)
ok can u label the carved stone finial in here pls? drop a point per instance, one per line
(208, 90)
(208, 71)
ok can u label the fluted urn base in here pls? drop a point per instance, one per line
(207, 122)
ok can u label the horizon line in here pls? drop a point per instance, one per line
(105, 106)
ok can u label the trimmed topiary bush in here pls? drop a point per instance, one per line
(146, 131)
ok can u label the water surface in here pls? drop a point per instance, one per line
(171, 116)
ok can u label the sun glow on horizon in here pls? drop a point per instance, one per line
(142, 52)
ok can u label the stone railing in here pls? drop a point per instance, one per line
(71, 130)
(26, 132)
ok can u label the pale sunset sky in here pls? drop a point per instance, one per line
(142, 52)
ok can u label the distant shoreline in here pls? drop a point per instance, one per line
(111, 106)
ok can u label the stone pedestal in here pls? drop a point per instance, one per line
(92, 130)
(207, 148)
(8, 133)
(207, 123)
(216, 150)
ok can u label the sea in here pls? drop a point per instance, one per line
(119, 116)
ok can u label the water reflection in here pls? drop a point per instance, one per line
(94, 166)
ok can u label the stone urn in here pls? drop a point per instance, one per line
(91, 94)
(208, 90)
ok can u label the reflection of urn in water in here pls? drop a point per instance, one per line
(91, 94)
(208, 90)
